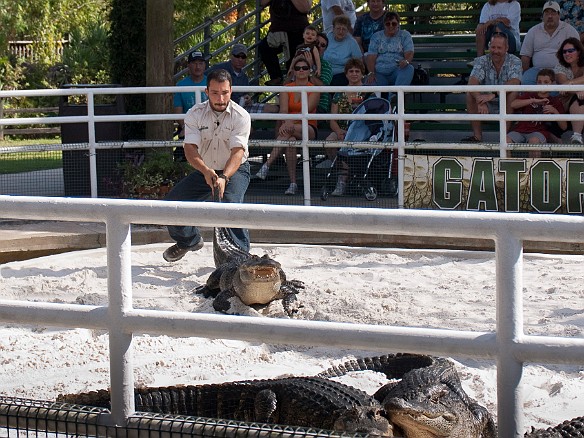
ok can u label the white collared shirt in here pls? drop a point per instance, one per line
(217, 134)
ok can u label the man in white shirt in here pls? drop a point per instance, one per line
(332, 8)
(542, 42)
(216, 145)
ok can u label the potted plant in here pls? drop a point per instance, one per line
(151, 174)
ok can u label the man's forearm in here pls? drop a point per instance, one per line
(233, 162)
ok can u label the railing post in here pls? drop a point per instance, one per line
(1, 117)
(509, 277)
(305, 151)
(119, 249)
(92, 144)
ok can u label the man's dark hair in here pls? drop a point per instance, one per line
(219, 75)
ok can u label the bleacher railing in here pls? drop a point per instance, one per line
(400, 118)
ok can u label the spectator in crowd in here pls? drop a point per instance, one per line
(496, 68)
(309, 50)
(288, 20)
(542, 42)
(570, 71)
(345, 103)
(499, 16)
(342, 47)
(333, 8)
(291, 130)
(326, 75)
(390, 54)
(235, 66)
(216, 145)
(369, 23)
(572, 12)
(183, 101)
(540, 102)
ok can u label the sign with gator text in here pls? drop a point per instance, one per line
(494, 184)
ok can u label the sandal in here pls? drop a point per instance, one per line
(470, 139)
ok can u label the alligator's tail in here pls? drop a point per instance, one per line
(224, 248)
(394, 366)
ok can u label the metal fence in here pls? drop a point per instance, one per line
(94, 167)
(509, 345)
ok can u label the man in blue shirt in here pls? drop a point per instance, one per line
(184, 101)
(235, 66)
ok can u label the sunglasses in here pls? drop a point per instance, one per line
(570, 50)
(392, 23)
(241, 56)
(301, 67)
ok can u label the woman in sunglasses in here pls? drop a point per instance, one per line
(291, 130)
(570, 71)
(390, 54)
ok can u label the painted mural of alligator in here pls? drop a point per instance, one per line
(252, 279)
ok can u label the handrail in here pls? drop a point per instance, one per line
(400, 117)
(508, 344)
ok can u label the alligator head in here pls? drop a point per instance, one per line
(430, 403)
(364, 419)
(257, 280)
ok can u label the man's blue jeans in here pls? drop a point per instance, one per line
(194, 188)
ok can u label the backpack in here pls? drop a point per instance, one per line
(421, 76)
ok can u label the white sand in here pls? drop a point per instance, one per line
(441, 289)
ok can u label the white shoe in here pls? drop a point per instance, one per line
(291, 189)
(263, 172)
(339, 189)
(324, 164)
(576, 138)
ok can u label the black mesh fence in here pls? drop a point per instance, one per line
(21, 417)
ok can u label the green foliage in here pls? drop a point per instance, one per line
(86, 60)
(29, 162)
(148, 172)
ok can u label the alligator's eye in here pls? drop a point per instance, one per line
(436, 396)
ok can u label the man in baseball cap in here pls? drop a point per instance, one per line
(183, 101)
(542, 42)
(239, 49)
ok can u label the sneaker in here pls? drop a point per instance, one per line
(576, 138)
(470, 139)
(292, 189)
(263, 172)
(339, 189)
(325, 164)
(175, 252)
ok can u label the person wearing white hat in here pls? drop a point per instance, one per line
(542, 42)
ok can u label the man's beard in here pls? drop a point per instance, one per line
(218, 106)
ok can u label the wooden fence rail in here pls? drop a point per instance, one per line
(31, 130)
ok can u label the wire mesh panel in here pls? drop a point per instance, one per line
(36, 418)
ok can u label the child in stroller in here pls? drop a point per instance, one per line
(370, 170)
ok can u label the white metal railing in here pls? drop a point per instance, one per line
(508, 344)
(400, 117)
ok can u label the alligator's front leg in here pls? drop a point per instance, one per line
(265, 405)
(221, 302)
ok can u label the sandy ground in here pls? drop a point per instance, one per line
(440, 289)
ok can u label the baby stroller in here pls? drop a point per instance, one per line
(371, 172)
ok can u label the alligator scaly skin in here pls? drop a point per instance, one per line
(252, 279)
(297, 401)
(573, 428)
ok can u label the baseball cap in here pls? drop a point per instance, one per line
(238, 48)
(551, 5)
(195, 55)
